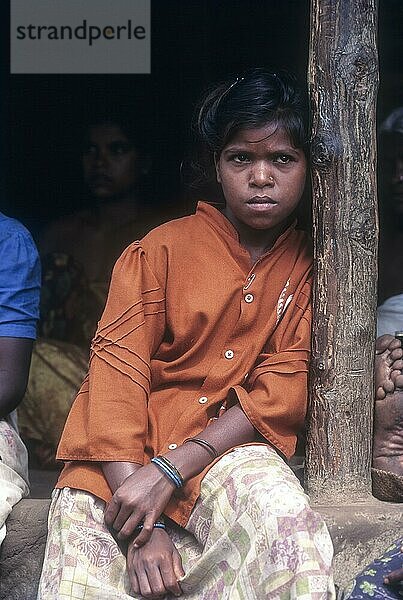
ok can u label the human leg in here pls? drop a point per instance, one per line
(13, 472)
(388, 365)
(251, 535)
(82, 559)
(255, 536)
(388, 417)
(387, 472)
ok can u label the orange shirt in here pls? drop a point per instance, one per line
(190, 328)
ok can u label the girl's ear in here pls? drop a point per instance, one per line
(217, 167)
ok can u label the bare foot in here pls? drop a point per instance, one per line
(388, 365)
(388, 420)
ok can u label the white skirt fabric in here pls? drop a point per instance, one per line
(251, 536)
(13, 472)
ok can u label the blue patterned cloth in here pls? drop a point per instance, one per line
(369, 583)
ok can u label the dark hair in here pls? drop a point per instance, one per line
(256, 98)
(253, 99)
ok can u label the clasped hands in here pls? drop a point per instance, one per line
(154, 565)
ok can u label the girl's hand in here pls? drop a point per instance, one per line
(141, 498)
(155, 568)
(396, 576)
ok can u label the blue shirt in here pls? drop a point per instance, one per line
(20, 280)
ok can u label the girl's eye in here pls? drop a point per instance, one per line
(240, 158)
(283, 159)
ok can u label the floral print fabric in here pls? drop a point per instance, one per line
(369, 583)
(251, 535)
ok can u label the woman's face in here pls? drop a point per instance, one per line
(262, 176)
(111, 164)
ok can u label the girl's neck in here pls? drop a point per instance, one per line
(257, 241)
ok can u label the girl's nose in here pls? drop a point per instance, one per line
(262, 175)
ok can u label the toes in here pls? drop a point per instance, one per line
(397, 365)
(380, 393)
(395, 344)
(399, 381)
(388, 386)
(396, 354)
(385, 342)
(394, 375)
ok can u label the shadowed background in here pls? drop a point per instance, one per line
(193, 44)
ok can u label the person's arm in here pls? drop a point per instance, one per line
(108, 422)
(20, 279)
(15, 358)
(276, 392)
(153, 563)
(144, 494)
(116, 472)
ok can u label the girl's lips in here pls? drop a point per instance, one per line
(262, 201)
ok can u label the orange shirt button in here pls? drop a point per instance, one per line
(249, 298)
(229, 354)
(172, 446)
(203, 400)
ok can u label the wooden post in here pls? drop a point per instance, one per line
(343, 81)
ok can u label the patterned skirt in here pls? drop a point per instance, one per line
(251, 536)
(13, 472)
(369, 584)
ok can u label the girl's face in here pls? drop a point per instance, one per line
(262, 176)
(110, 162)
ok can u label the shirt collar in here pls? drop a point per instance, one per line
(215, 217)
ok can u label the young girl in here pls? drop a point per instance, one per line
(176, 479)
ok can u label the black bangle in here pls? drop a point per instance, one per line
(210, 449)
(169, 470)
(157, 525)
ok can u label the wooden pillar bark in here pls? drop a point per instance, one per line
(343, 81)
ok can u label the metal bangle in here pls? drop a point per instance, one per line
(157, 525)
(206, 445)
(170, 473)
(171, 466)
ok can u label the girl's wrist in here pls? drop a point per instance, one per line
(163, 477)
(189, 459)
(117, 472)
(156, 533)
(169, 470)
(159, 524)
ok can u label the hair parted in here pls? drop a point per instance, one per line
(256, 98)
